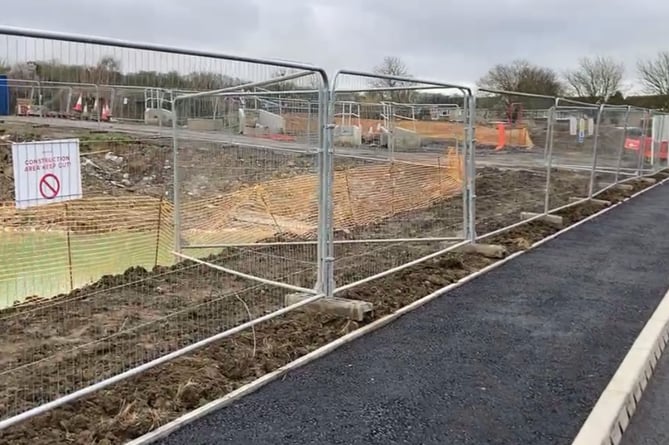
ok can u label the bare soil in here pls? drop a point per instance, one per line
(119, 164)
(123, 320)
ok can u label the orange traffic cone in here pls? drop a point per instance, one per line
(106, 112)
(78, 105)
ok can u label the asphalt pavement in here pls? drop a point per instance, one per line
(518, 356)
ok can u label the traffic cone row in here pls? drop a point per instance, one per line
(81, 107)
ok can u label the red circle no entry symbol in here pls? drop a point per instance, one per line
(49, 186)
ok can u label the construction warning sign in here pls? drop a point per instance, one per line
(46, 172)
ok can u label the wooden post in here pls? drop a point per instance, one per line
(69, 248)
(158, 228)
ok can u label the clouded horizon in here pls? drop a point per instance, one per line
(443, 40)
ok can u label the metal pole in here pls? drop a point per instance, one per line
(465, 168)
(390, 112)
(663, 139)
(325, 249)
(621, 149)
(97, 100)
(320, 247)
(326, 211)
(308, 123)
(175, 187)
(470, 169)
(549, 156)
(329, 195)
(641, 155)
(658, 139)
(594, 151)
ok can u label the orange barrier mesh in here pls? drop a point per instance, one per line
(297, 123)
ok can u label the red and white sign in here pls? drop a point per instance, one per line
(49, 186)
(46, 172)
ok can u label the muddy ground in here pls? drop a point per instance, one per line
(120, 321)
(119, 164)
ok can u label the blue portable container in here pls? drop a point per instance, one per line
(4, 96)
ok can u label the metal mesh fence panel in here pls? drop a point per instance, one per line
(573, 144)
(512, 131)
(58, 346)
(398, 175)
(612, 124)
(93, 290)
(659, 140)
(208, 193)
(260, 201)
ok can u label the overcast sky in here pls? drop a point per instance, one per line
(448, 40)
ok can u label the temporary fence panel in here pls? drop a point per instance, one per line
(250, 188)
(227, 183)
(611, 124)
(570, 153)
(398, 177)
(118, 304)
(660, 140)
(512, 157)
(637, 143)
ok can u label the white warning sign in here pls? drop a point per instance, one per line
(46, 172)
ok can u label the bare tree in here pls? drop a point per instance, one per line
(597, 78)
(22, 71)
(522, 76)
(393, 67)
(654, 74)
(107, 71)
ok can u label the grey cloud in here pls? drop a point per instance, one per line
(443, 39)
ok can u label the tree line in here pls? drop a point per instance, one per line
(595, 79)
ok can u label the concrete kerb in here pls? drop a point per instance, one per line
(255, 385)
(613, 412)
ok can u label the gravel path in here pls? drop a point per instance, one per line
(518, 356)
(649, 424)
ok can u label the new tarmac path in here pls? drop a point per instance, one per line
(518, 356)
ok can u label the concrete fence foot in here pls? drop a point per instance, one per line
(553, 220)
(486, 250)
(601, 202)
(355, 310)
(623, 187)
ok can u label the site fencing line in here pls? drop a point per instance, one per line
(272, 178)
(110, 327)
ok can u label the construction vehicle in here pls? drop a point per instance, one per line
(636, 140)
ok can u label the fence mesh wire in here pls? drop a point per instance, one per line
(53, 348)
(398, 175)
(91, 287)
(102, 269)
(123, 220)
(511, 157)
(610, 147)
